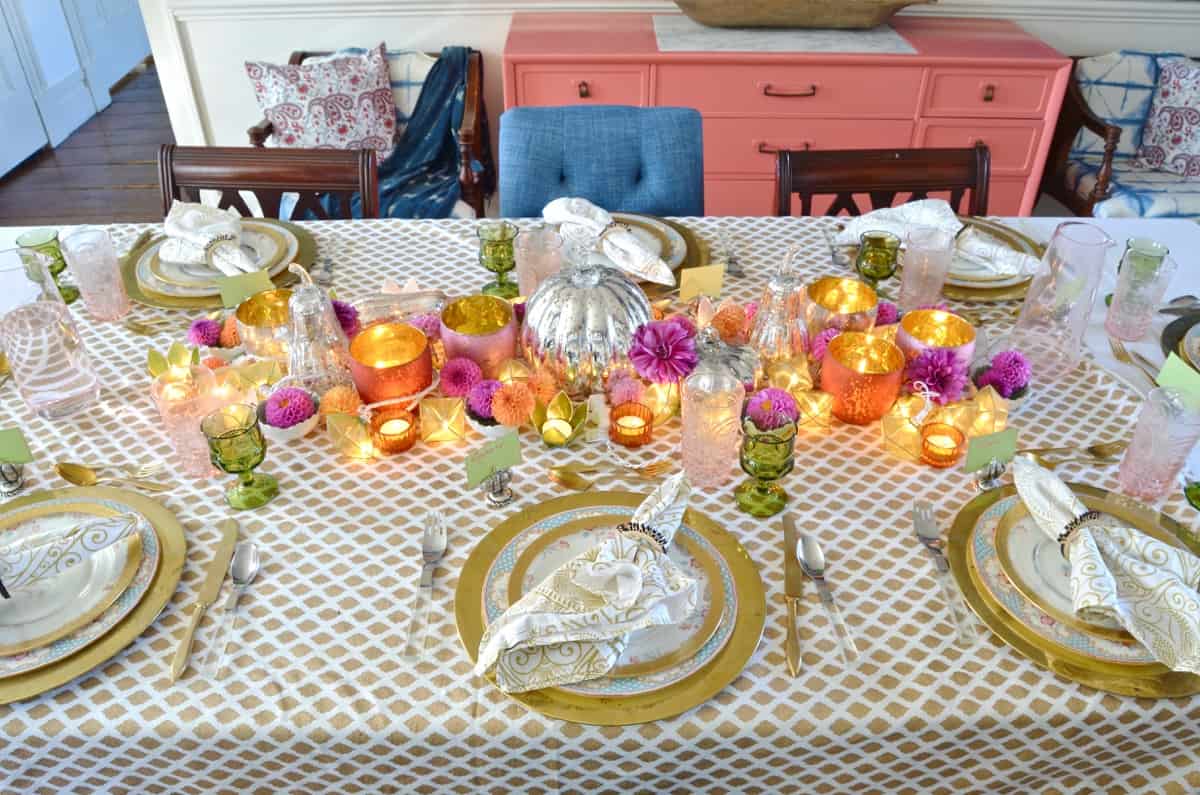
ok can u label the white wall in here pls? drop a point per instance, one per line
(200, 45)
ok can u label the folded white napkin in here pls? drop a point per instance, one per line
(1118, 572)
(618, 243)
(982, 254)
(198, 235)
(35, 559)
(899, 220)
(575, 624)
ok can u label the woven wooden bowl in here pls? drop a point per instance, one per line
(793, 13)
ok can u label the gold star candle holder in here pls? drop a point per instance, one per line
(443, 420)
(816, 409)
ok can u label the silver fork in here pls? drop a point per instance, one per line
(433, 547)
(931, 539)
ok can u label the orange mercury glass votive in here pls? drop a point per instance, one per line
(390, 360)
(863, 373)
(393, 430)
(941, 444)
(631, 424)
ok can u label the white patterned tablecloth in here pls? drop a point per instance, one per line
(319, 698)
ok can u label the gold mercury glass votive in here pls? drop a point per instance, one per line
(863, 374)
(393, 430)
(390, 360)
(262, 324)
(841, 302)
(923, 329)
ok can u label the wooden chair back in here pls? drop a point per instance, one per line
(183, 171)
(882, 174)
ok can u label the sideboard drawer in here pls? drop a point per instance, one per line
(792, 89)
(748, 146)
(1012, 143)
(583, 84)
(995, 92)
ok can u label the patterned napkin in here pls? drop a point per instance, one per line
(201, 235)
(619, 244)
(33, 560)
(575, 624)
(1118, 572)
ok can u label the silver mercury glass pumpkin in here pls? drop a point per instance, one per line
(579, 324)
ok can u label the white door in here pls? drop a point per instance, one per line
(111, 39)
(47, 51)
(21, 131)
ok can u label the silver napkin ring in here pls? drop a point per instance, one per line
(1082, 520)
(646, 530)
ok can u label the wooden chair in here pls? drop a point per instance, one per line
(882, 174)
(474, 140)
(1076, 114)
(183, 171)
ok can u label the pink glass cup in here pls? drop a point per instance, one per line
(93, 263)
(483, 328)
(1167, 430)
(1142, 280)
(184, 396)
(712, 429)
(926, 260)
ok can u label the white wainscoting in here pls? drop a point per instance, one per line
(200, 45)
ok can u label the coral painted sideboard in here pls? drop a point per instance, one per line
(968, 80)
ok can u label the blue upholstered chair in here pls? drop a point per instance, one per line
(624, 159)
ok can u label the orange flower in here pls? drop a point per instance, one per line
(512, 404)
(543, 385)
(214, 362)
(229, 334)
(342, 399)
(730, 323)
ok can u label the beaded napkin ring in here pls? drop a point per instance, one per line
(646, 530)
(1082, 520)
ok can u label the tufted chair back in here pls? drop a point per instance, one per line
(624, 159)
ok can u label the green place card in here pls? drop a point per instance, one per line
(495, 455)
(13, 448)
(701, 281)
(981, 450)
(1176, 375)
(235, 289)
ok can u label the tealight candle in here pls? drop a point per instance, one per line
(482, 328)
(841, 302)
(941, 445)
(390, 360)
(393, 430)
(630, 424)
(923, 329)
(556, 431)
(863, 375)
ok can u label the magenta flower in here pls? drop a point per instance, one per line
(772, 408)
(1008, 373)
(289, 406)
(663, 352)
(347, 317)
(430, 324)
(479, 398)
(459, 375)
(886, 314)
(941, 306)
(819, 344)
(519, 312)
(751, 312)
(204, 332)
(684, 323)
(940, 370)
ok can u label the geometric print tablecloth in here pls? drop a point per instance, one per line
(318, 698)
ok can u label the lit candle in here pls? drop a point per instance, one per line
(513, 370)
(662, 400)
(390, 360)
(394, 427)
(863, 375)
(393, 430)
(556, 431)
(841, 302)
(941, 445)
(922, 329)
(630, 424)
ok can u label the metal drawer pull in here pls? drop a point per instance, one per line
(584, 91)
(989, 92)
(767, 149)
(810, 92)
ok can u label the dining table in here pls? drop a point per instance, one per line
(318, 694)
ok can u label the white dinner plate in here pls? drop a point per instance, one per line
(272, 246)
(661, 239)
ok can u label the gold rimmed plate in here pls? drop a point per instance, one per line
(978, 518)
(271, 247)
(135, 608)
(484, 591)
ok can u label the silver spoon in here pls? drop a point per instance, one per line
(812, 561)
(242, 571)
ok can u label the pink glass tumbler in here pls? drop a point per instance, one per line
(184, 396)
(712, 428)
(1167, 429)
(93, 263)
(1142, 280)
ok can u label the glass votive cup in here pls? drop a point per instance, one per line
(184, 397)
(942, 445)
(539, 256)
(840, 302)
(630, 425)
(1167, 429)
(1142, 279)
(390, 360)
(923, 329)
(393, 430)
(482, 328)
(711, 410)
(262, 324)
(92, 260)
(927, 257)
(863, 375)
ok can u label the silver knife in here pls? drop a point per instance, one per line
(793, 589)
(931, 539)
(215, 575)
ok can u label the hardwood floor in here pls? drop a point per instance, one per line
(103, 173)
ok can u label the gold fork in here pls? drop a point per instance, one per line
(1122, 353)
(649, 471)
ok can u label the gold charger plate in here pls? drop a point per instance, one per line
(262, 227)
(1146, 681)
(984, 294)
(305, 256)
(693, 691)
(173, 551)
(712, 572)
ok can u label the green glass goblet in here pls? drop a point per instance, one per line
(236, 445)
(766, 457)
(496, 254)
(877, 255)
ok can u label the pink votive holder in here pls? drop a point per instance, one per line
(482, 328)
(922, 329)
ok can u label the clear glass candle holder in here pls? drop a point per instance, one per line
(1166, 431)
(184, 396)
(92, 260)
(927, 257)
(712, 433)
(1142, 280)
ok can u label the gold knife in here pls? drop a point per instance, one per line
(793, 585)
(208, 594)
